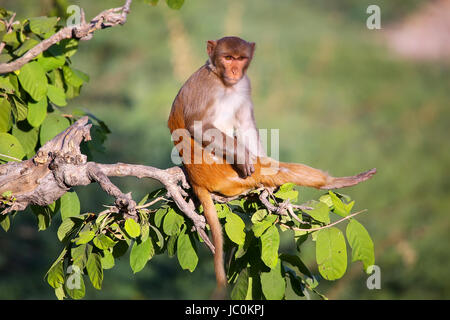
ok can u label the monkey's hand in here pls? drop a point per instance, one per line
(244, 164)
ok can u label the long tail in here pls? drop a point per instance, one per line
(216, 229)
(274, 173)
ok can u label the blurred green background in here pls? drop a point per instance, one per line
(343, 102)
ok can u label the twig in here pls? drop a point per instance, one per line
(324, 227)
(83, 31)
(8, 28)
(151, 203)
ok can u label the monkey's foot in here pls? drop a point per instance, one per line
(343, 182)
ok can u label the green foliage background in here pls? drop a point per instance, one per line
(341, 100)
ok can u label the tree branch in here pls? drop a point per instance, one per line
(59, 165)
(83, 31)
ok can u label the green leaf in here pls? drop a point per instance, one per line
(68, 47)
(59, 293)
(160, 237)
(273, 283)
(28, 137)
(320, 211)
(222, 210)
(326, 198)
(5, 222)
(240, 289)
(52, 125)
(37, 111)
(186, 253)
(287, 191)
(95, 270)
(159, 215)
(331, 253)
(5, 84)
(70, 205)
(33, 80)
(132, 228)
(107, 260)
(55, 276)
(19, 109)
(85, 237)
(73, 291)
(270, 241)
(339, 207)
(361, 244)
(103, 242)
(67, 227)
(44, 216)
(79, 257)
(171, 246)
(10, 148)
(141, 252)
(175, 4)
(259, 227)
(81, 75)
(259, 215)
(50, 62)
(234, 228)
(145, 231)
(172, 222)
(143, 200)
(11, 39)
(5, 115)
(296, 262)
(56, 95)
(43, 25)
(73, 78)
(27, 45)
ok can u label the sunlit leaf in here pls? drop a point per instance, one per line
(361, 244)
(331, 253)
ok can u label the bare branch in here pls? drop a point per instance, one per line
(326, 226)
(60, 165)
(83, 31)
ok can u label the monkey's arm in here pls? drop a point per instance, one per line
(246, 131)
(223, 146)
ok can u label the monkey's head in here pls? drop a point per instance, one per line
(231, 57)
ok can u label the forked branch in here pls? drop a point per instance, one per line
(59, 165)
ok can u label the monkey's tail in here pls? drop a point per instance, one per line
(210, 213)
(274, 173)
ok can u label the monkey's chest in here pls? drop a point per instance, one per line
(225, 110)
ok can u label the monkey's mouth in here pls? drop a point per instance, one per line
(231, 81)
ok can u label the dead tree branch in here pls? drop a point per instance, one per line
(59, 165)
(83, 31)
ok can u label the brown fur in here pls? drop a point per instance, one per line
(191, 104)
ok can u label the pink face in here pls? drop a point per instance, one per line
(234, 67)
(231, 56)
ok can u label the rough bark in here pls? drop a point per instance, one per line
(60, 165)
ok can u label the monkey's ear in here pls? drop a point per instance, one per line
(210, 46)
(252, 46)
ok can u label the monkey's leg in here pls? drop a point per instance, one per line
(274, 173)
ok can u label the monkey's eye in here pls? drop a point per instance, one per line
(228, 58)
(242, 58)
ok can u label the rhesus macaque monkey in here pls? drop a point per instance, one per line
(214, 130)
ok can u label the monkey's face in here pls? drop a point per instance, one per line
(231, 57)
(233, 68)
